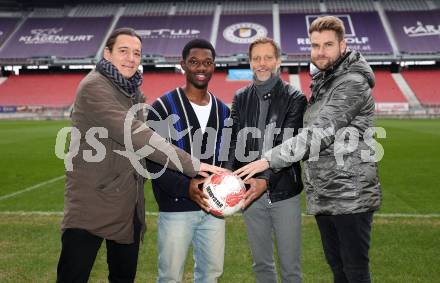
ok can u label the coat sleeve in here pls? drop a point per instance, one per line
(344, 105)
(171, 182)
(100, 108)
(293, 120)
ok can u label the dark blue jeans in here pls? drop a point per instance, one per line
(346, 241)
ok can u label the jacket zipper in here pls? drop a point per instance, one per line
(268, 197)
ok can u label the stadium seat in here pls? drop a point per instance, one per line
(385, 90)
(157, 84)
(423, 83)
(49, 90)
(305, 81)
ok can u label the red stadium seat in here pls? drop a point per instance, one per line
(50, 90)
(424, 85)
(157, 84)
(305, 80)
(385, 90)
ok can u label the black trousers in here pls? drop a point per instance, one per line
(79, 250)
(346, 242)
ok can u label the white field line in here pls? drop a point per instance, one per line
(31, 188)
(150, 213)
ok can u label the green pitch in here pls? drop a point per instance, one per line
(406, 233)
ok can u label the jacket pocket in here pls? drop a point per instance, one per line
(111, 186)
(332, 181)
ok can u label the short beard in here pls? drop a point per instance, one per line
(197, 86)
(332, 63)
(328, 66)
(273, 73)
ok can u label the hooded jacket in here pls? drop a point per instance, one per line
(339, 177)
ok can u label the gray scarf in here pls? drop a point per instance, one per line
(265, 87)
(262, 89)
(130, 86)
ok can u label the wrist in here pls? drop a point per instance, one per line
(267, 161)
(263, 183)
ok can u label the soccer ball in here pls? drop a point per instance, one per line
(225, 193)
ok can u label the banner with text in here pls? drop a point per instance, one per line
(7, 25)
(57, 37)
(416, 32)
(167, 35)
(364, 32)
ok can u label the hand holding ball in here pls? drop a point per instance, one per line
(225, 193)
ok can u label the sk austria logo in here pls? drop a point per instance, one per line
(244, 33)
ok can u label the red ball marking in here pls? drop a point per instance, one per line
(234, 198)
(216, 212)
(216, 179)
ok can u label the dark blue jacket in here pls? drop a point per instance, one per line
(171, 188)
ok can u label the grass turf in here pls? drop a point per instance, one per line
(403, 249)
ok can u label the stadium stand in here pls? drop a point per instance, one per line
(50, 39)
(366, 31)
(248, 7)
(404, 5)
(349, 6)
(305, 81)
(10, 6)
(424, 85)
(96, 10)
(49, 90)
(152, 9)
(416, 32)
(72, 33)
(157, 84)
(225, 89)
(195, 8)
(49, 12)
(302, 6)
(385, 91)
